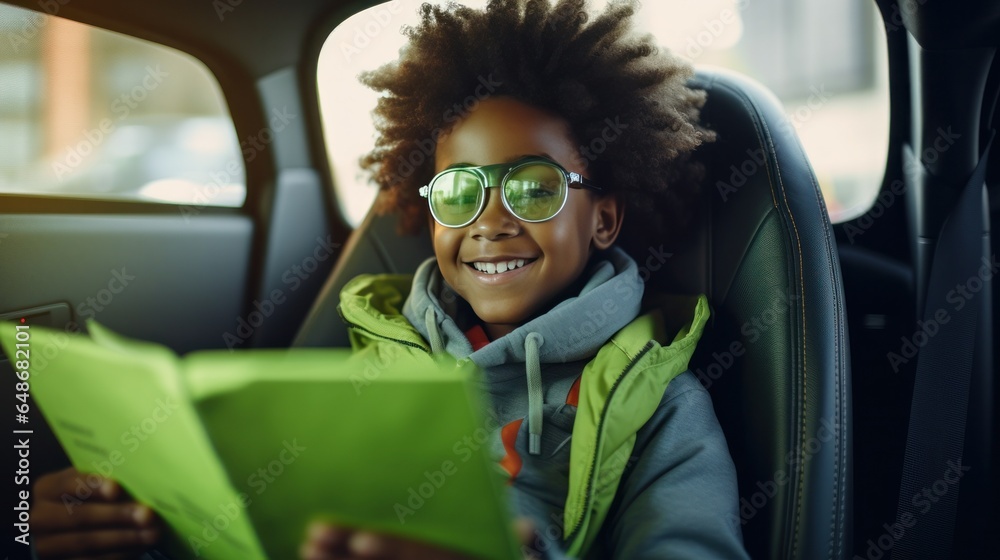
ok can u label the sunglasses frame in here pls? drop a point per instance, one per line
(486, 172)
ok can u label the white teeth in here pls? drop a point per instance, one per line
(498, 268)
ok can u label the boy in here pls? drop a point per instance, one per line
(612, 449)
(527, 189)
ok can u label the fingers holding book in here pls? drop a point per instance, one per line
(84, 515)
(331, 542)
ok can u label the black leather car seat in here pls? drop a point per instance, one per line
(775, 354)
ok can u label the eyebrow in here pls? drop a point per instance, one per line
(510, 160)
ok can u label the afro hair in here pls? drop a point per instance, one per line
(594, 73)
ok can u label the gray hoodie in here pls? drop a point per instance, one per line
(678, 495)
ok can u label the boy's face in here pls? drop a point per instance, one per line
(554, 252)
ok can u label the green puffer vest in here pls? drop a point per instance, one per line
(632, 368)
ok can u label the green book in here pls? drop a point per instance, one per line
(239, 451)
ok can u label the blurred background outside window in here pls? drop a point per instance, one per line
(86, 112)
(826, 62)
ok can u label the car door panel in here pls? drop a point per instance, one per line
(168, 279)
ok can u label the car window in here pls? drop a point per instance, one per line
(826, 62)
(85, 112)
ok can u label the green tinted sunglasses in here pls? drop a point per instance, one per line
(533, 189)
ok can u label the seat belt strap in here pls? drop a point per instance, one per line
(932, 463)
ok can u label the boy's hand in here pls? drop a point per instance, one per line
(327, 542)
(105, 524)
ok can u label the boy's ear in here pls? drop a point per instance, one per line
(609, 212)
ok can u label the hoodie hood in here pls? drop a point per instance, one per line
(575, 329)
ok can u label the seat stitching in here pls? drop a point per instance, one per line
(801, 477)
(837, 521)
(805, 369)
(837, 490)
(842, 362)
(836, 517)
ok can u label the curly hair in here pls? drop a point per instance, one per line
(594, 74)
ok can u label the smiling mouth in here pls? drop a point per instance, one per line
(499, 267)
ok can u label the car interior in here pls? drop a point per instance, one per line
(850, 364)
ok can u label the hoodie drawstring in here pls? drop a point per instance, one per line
(430, 321)
(533, 369)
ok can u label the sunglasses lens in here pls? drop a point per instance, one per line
(455, 197)
(535, 192)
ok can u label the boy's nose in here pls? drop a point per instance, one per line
(495, 222)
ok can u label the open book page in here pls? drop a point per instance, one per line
(126, 415)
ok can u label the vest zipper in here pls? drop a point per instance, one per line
(356, 326)
(600, 432)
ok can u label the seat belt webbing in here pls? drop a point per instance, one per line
(936, 434)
